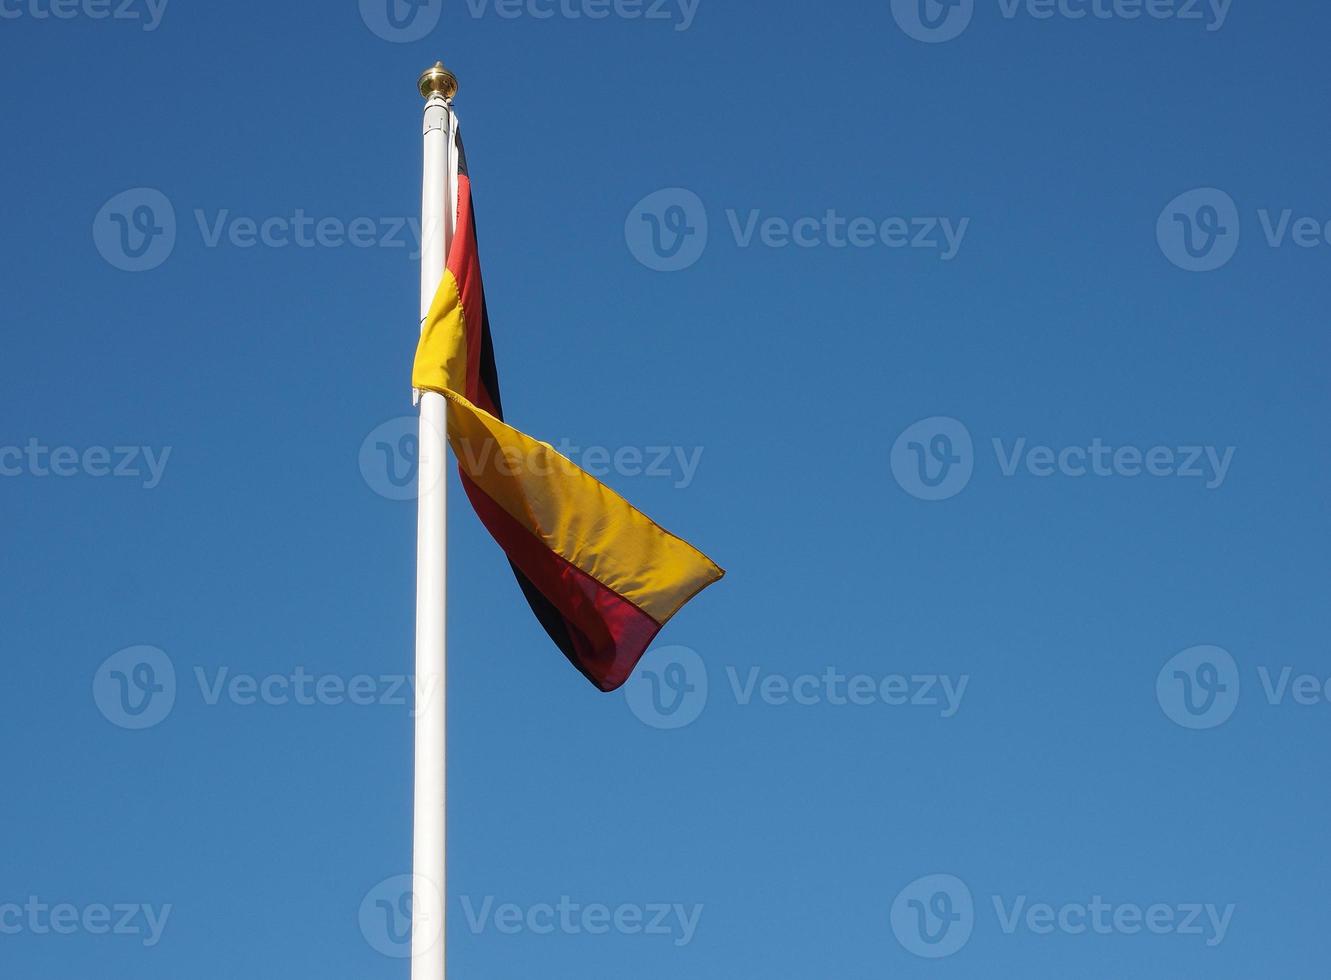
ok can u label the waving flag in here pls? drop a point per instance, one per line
(600, 575)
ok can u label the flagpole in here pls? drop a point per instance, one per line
(429, 852)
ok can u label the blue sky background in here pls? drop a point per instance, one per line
(265, 548)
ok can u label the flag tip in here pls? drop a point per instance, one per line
(438, 81)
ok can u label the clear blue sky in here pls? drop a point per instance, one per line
(1068, 315)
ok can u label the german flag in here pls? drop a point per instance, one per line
(600, 575)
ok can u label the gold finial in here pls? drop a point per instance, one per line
(438, 80)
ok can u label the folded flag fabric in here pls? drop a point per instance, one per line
(600, 575)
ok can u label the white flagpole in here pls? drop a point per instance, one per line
(430, 883)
